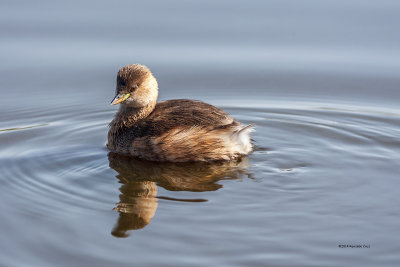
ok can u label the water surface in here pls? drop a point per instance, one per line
(319, 80)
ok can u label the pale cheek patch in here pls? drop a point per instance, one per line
(145, 94)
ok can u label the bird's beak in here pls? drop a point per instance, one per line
(120, 98)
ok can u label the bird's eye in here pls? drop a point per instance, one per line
(134, 87)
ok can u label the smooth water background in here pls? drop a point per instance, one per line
(320, 79)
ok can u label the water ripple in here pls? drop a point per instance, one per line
(59, 162)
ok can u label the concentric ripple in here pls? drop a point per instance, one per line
(54, 165)
(57, 159)
(58, 162)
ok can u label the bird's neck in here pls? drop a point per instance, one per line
(129, 116)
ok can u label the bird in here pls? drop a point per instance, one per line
(178, 130)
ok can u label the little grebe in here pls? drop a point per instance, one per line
(174, 130)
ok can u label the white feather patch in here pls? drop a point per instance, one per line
(240, 139)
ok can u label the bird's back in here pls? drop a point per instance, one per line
(181, 113)
(184, 130)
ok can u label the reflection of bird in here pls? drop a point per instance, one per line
(137, 206)
(174, 130)
(139, 178)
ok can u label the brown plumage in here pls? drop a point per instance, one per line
(174, 130)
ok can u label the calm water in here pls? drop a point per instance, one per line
(320, 79)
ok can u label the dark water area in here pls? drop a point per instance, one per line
(320, 79)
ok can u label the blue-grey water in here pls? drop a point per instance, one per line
(320, 79)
